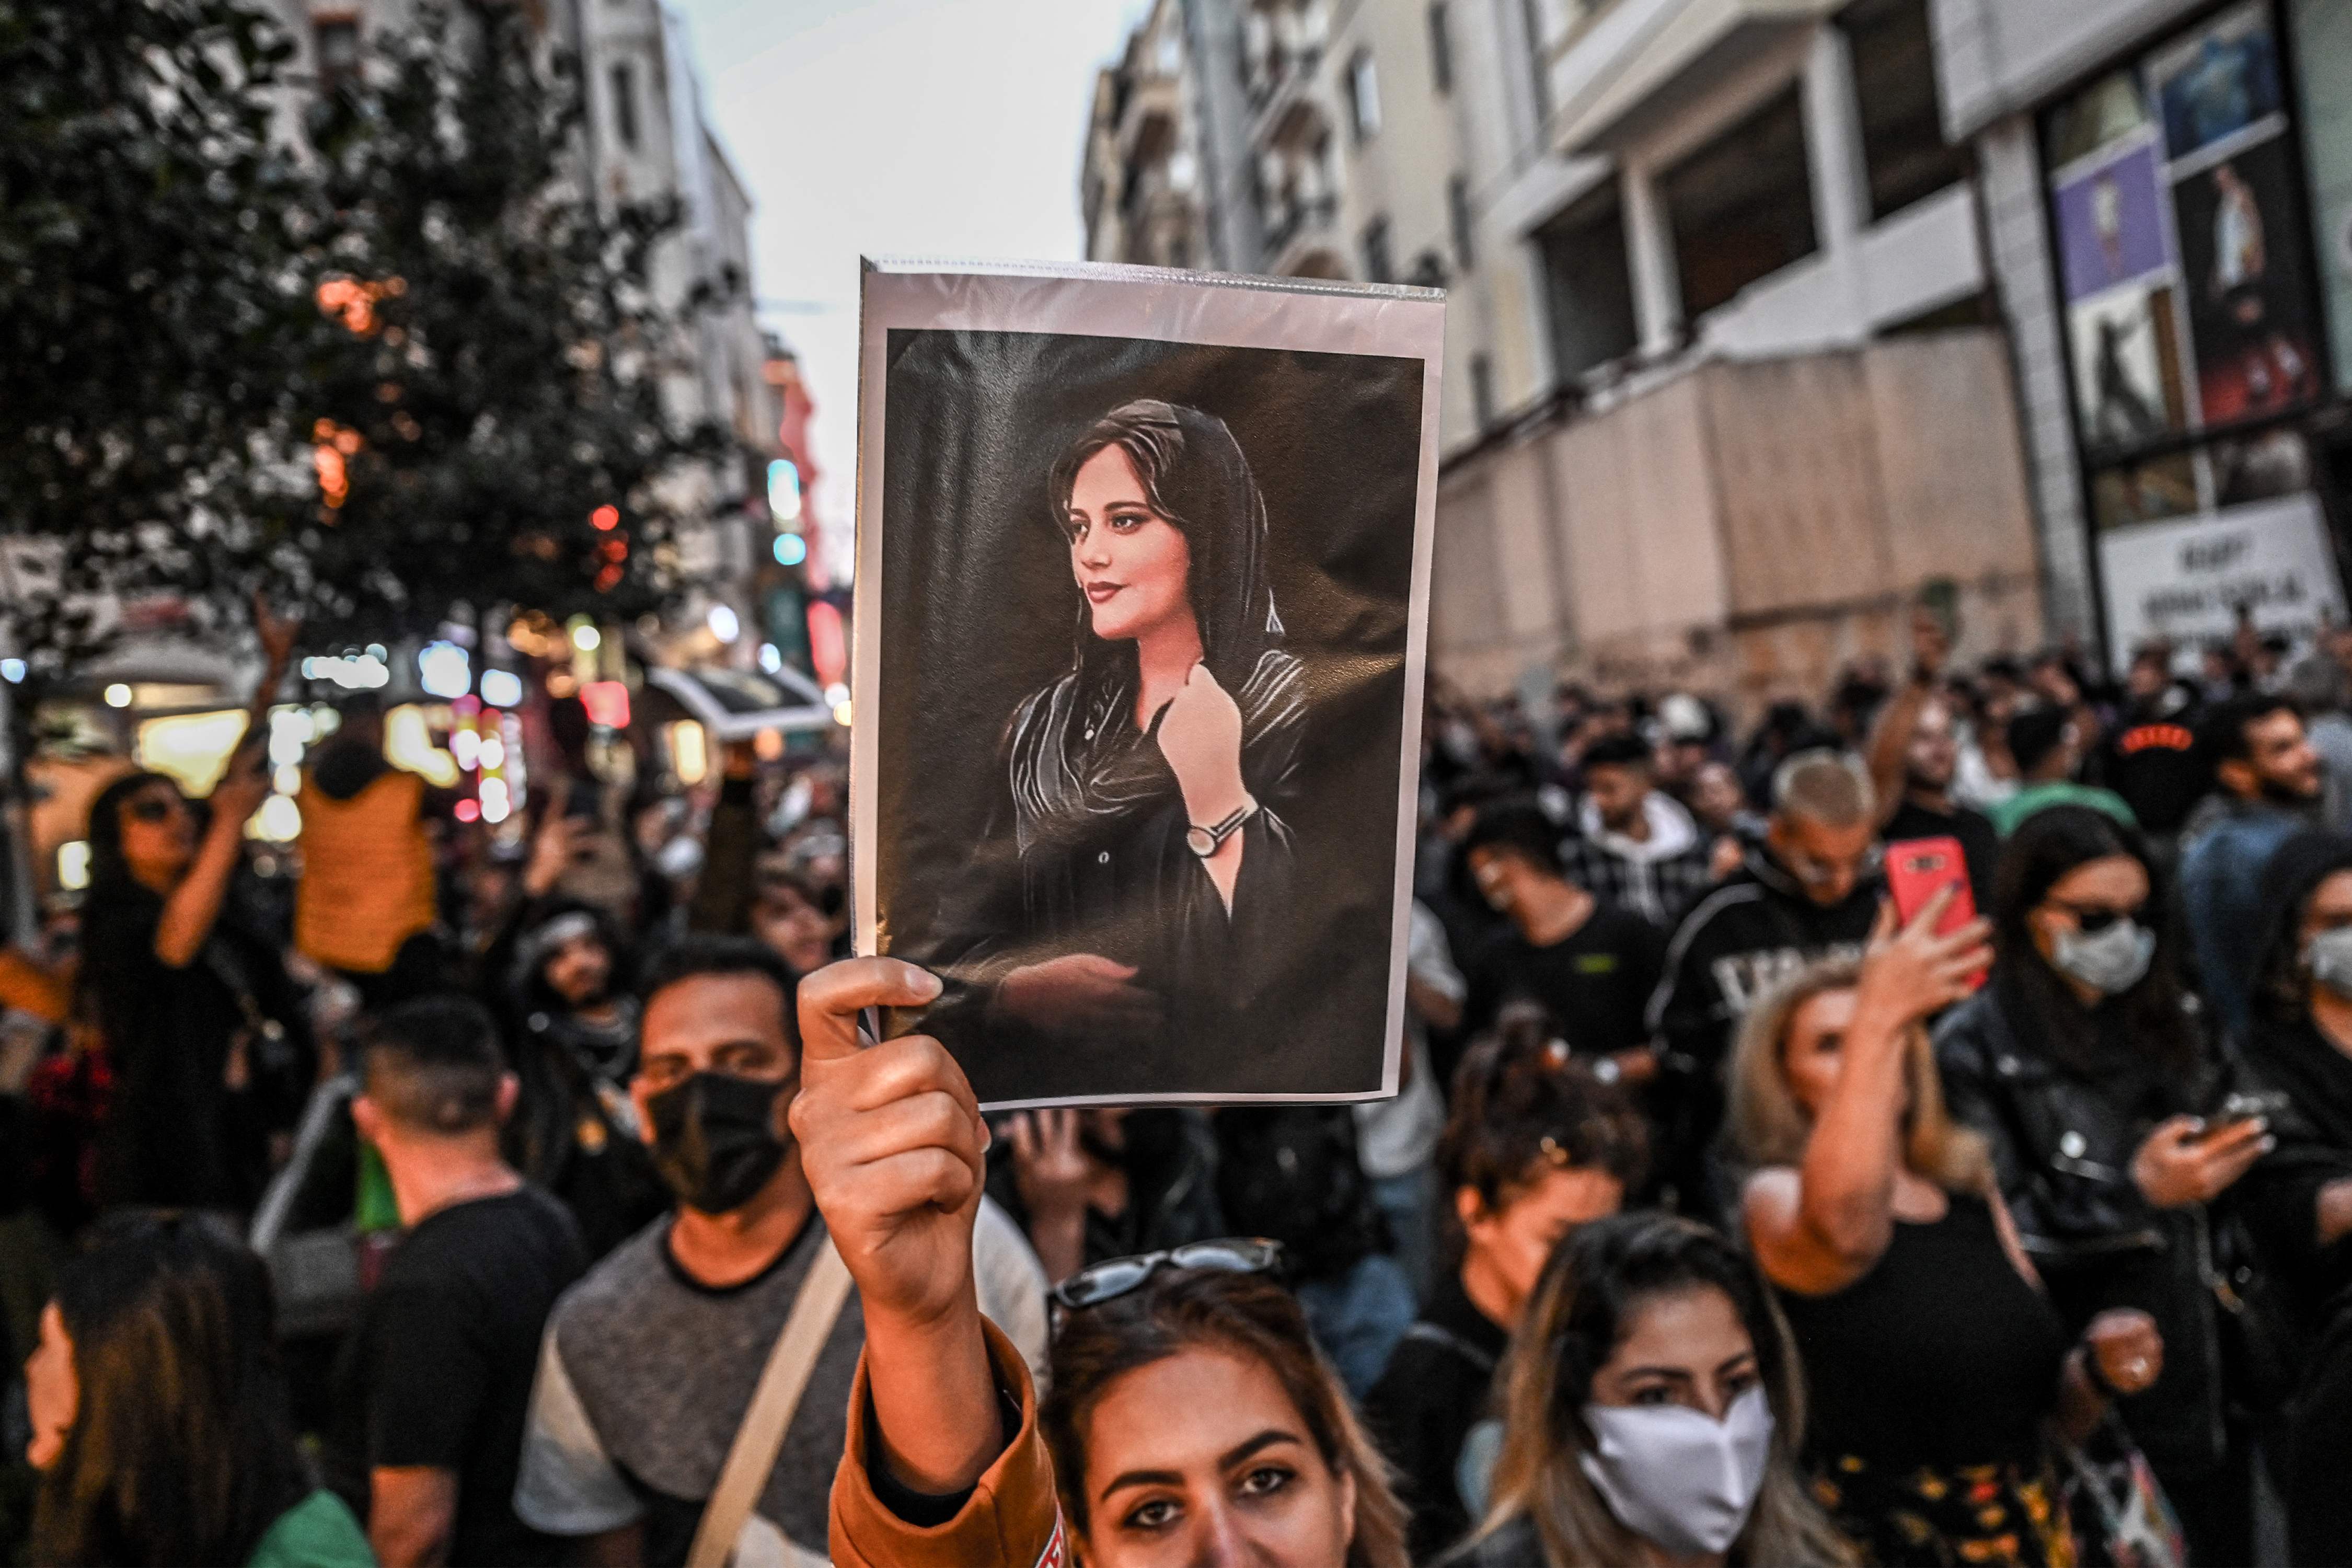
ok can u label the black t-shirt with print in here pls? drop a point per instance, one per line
(1594, 984)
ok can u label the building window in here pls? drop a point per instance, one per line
(335, 46)
(1588, 282)
(1457, 217)
(1741, 207)
(1378, 265)
(1364, 96)
(1895, 84)
(1441, 49)
(1481, 391)
(624, 104)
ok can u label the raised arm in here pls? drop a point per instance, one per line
(896, 1154)
(1890, 738)
(190, 910)
(1819, 1228)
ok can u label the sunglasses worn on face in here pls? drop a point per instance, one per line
(154, 809)
(1117, 1276)
(2095, 919)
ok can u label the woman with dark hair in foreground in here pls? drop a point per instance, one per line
(159, 1413)
(2112, 1130)
(1190, 1419)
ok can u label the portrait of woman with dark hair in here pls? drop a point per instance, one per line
(1142, 574)
(1147, 782)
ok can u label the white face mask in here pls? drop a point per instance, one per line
(1677, 1477)
(2110, 961)
(2328, 956)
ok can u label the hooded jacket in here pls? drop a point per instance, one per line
(1655, 877)
(2285, 1054)
(1750, 933)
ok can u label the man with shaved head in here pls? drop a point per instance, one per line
(436, 1379)
(1810, 891)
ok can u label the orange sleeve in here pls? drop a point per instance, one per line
(1012, 1518)
(27, 986)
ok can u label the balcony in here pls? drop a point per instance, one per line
(1629, 64)
(1301, 230)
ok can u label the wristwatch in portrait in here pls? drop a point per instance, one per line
(1206, 841)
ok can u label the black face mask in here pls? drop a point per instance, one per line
(715, 1139)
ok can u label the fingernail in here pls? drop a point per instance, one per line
(987, 1136)
(2269, 1144)
(928, 984)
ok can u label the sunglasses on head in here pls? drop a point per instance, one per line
(1117, 1276)
(2094, 919)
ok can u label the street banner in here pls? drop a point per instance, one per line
(1141, 603)
(2184, 581)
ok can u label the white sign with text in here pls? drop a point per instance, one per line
(2184, 581)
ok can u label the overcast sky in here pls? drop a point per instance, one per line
(947, 128)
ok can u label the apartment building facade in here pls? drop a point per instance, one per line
(1724, 393)
(649, 135)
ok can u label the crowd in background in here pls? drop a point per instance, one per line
(446, 1202)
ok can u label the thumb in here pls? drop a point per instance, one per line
(831, 999)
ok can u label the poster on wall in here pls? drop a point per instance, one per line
(1143, 590)
(2111, 222)
(2126, 357)
(2323, 53)
(2248, 290)
(2218, 82)
(2184, 581)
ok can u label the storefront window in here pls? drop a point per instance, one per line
(2193, 327)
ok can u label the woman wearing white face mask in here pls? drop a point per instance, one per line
(1653, 1414)
(2298, 1200)
(2113, 1126)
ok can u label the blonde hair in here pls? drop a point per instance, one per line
(1769, 1127)
(1825, 786)
(1596, 1283)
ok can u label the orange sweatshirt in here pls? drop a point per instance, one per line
(1012, 1518)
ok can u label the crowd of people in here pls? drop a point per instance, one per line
(531, 1196)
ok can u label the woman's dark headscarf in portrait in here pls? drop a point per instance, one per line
(2045, 848)
(1070, 763)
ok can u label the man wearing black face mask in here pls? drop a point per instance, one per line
(649, 1363)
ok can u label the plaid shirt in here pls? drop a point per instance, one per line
(1657, 890)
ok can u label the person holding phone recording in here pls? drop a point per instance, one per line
(1879, 1224)
(2094, 1084)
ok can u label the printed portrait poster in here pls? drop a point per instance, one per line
(1141, 601)
(2248, 290)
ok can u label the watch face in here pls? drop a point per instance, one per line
(1202, 842)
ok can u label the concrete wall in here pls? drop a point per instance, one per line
(1745, 529)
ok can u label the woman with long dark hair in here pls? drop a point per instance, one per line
(203, 1030)
(1654, 1413)
(1191, 1419)
(2102, 1104)
(160, 1427)
(1147, 781)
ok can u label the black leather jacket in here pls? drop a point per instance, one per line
(2061, 1145)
